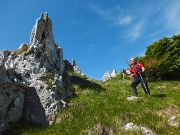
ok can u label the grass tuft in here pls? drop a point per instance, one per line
(23, 49)
(48, 79)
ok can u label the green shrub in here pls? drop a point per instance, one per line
(23, 49)
(48, 79)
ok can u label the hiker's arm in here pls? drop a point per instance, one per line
(127, 72)
(143, 69)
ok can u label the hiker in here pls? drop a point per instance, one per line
(137, 71)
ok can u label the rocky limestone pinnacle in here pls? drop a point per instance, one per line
(42, 31)
(31, 77)
(76, 69)
(108, 75)
(38, 67)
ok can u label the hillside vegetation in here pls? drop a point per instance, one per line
(102, 108)
(162, 59)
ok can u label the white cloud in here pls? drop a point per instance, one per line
(116, 49)
(135, 32)
(172, 15)
(100, 11)
(124, 20)
(131, 23)
(91, 47)
(115, 14)
(147, 19)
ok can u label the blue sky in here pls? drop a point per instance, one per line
(99, 34)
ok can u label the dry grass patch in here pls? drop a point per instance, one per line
(68, 116)
(171, 115)
(99, 129)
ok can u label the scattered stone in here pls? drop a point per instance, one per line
(64, 103)
(173, 122)
(146, 131)
(130, 126)
(160, 87)
(132, 98)
(171, 115)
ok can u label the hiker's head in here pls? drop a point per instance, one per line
(133, 60)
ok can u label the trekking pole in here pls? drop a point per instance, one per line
(143, 82)
(123, 81)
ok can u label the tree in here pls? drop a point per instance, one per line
(162, 59)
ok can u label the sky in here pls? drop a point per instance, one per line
(100, 35)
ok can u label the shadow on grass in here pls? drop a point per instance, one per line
(19, 127)
(160, 95)
(83, 83)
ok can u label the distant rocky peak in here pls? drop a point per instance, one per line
(114, 73)
(73, 67)
(108, 75)
(42, 31)
(73, 62)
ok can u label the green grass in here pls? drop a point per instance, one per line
(48, 79)
(23, 49)
(103, 106)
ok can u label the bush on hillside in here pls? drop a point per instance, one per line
(162, 59)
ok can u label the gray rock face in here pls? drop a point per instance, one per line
(38, 67)
(11, 104)
(44, 60)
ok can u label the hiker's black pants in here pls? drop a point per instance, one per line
(136, 81)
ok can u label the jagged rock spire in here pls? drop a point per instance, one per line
(108, 75)
(114, 73)
(76, 69)
(42, 31)
(39, 67)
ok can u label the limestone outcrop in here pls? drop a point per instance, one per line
(11, 104)
(38, 68)
(114, 73)
(76, 69)
(73, 67)
(108, 75)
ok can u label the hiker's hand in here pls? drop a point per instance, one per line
(141, 72)
(136, 70)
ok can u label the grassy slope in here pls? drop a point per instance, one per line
(103, 107)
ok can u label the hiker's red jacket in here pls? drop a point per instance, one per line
(136, 65)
